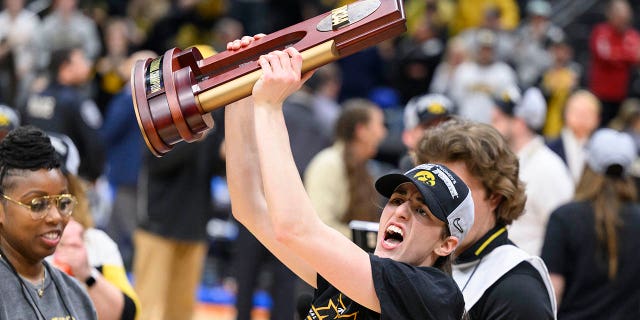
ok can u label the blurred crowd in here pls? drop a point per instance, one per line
(545, 73)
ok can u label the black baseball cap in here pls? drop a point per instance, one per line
(446, 195)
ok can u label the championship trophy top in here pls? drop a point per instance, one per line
(174, 94)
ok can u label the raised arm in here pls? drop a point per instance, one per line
(245, 184)
(294, 221)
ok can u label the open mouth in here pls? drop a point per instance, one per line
(53, 235)
(393, 235)
(51, 238)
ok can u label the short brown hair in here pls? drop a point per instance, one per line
(487, 157)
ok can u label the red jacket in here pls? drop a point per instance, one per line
(613, 53)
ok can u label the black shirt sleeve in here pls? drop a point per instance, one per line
(518, 295)
(407, 292)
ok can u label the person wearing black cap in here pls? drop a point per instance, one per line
(429, 212)
(421, 113)
(498, 280)
(591, 244)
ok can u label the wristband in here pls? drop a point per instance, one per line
(91, 280)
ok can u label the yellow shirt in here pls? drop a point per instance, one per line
(470, 14)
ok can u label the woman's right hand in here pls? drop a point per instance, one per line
(243, 42)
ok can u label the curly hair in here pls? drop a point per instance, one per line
(25, 148)
(487, 157)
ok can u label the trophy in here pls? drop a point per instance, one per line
(174, 94)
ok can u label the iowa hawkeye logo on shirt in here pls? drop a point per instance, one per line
(333, 310)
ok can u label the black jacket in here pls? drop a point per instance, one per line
(63, 109)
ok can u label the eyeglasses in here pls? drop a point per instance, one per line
(39, 207)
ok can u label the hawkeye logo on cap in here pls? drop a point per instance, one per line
(4, 121)
(436, 108)
(425, 177)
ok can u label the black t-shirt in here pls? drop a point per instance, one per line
(404, 291)
(519, 294)
(570, 249)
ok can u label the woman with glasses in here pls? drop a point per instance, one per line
(87, 253)
(35, 206)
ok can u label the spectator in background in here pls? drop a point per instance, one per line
(456, 53)
(417, 56)
(64, 109)
(87, 253)
(531, 57)
(557, 84)
(615, 49)
(437, 12)
(108, 77)
(498, 280)
(249, 262)
(477, 80)
(628, 119)
(19, 51)
(67, 26)
(591, 243)
(361, 72)
(468, 14)
(124, 147)
(304, 120)
(504, 39)
(359, 131)
(146, 13)
(518, 120)
(581, 118)
(325, 84)
(421, 113)
(182, 26)
(170, 242)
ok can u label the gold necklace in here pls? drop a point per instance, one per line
(41, 290)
